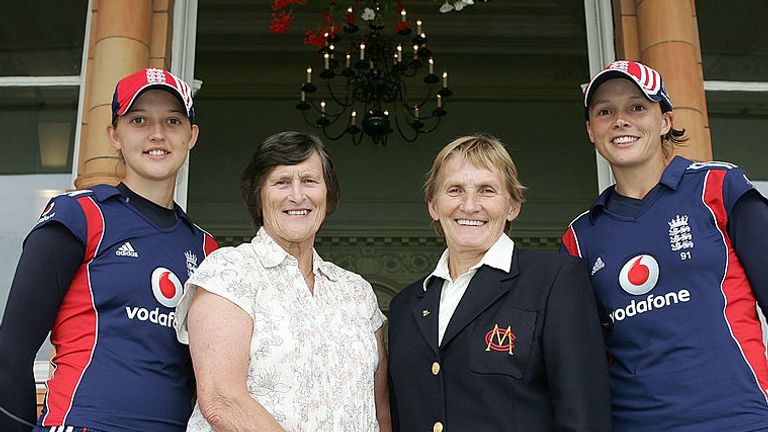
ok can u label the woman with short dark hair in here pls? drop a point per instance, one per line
(280, 339)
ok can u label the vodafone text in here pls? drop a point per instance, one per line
(649, 303)
(153, 316)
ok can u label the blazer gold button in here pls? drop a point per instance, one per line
(435, 368)
(438, 427)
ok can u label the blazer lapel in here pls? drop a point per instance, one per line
(486, 287)
(426, 312)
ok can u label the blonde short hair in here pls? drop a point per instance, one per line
(482, 151)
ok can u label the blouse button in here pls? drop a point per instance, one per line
(435, 368)
(438, 427)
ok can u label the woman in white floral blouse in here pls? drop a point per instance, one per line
(280, 339)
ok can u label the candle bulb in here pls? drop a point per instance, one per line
(353, 118)
(326, 59)
(402, 15)
(303, 96)
(362, 51)
(445, 79)
(349, 9)
(439, 101)
(416, 112)
(349, 58)
(399, 53)
(423, 36)
(322, 108)
(431, 66)
(309, 75)
(418, 26)
(415, 52)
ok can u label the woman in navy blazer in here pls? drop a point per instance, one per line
(496, 338)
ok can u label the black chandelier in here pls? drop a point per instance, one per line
(371, 80)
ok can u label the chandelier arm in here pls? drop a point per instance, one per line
(402, 133)
(357, 138)
(334, 137)
(338, 101)
(433, 127)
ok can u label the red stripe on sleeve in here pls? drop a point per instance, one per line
(209, 244)
(570, 242)
(740, 312)
(75, 330)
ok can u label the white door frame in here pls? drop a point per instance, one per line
(601, 51)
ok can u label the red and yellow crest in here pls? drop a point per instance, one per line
(500, 339)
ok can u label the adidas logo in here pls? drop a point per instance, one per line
(127, 250)
(599, 264)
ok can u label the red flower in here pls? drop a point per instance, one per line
(279, 4)
(280, 22)
(320, 38)
(402, 25)
(315, 39)
(350, 17)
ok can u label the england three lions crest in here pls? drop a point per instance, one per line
(680, 237)
(191, 262)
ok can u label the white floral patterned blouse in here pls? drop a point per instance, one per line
(312, 357)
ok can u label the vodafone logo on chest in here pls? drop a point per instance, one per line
(166, 287)
(639, 275)
(167, 290)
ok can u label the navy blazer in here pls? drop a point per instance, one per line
(523, 352)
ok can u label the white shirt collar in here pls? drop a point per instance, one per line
(499, 256)
(272, 254)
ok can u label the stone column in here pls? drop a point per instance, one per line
(125, 37)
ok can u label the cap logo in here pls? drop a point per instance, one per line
(155, 75)
(639, 275)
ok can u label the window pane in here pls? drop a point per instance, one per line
(37, 129)
(29, 195)
(734, 40)
(42, 37)
(739, 124)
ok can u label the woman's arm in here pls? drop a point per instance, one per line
(219, 341)
(380, 385)
(574, 354)
(746, 228)
(51, 256)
